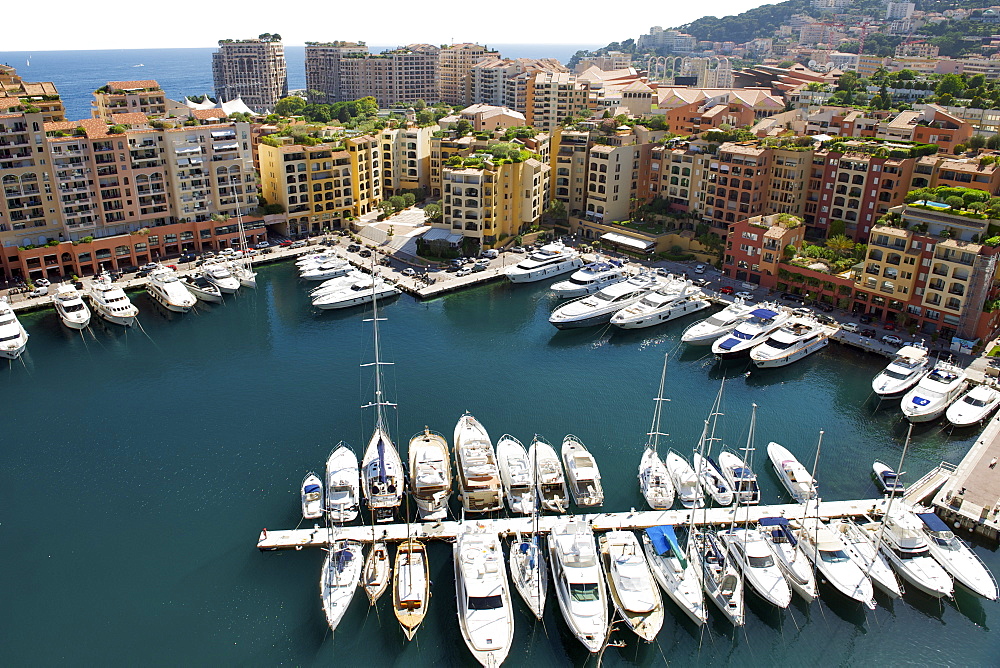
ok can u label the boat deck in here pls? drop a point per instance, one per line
(319, 536)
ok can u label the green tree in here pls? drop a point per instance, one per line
(840, 244)
(409, 199)
(290, 106)
(977, 141)
(950, 84)
(432, 213)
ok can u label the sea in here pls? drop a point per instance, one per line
(183, 72)
(139, 466)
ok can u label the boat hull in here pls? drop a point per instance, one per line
(540, 273)
(785, 360)
(666, 315)
(166, 302)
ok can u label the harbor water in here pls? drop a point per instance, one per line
(138, 467)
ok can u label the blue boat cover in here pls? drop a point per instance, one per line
(920, 401)
(782, 529)
(664, 540)
(743, 473)
(311, 488)
(773, 522)
(933, 522)
(381, 460)
(763, 313)
(728, 343)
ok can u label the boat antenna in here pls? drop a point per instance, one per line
(654, 430)
(379, 402)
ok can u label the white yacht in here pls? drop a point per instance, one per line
(478, 476)
(430, 474)
(828, 554)
(704, 332)
(549, 479)
(934, 393)
(590, 278)
(579, 584)
(685, 481)
(200, 287)
(343, 484)
(887, 479)
(72, 310)
(793, 474)
(13, 336)
(482, 594)
(741, 478)
(904, 544)
(550, 260)
(582, 475)
(316, 258)
(168, 290)
(712, 481)
(244, 273)
(957, 558)
(660, 306)
(974, 406)
(110, 302)
(633, 589)
(340, 578)
(517, 475)
(677, 571)
(753, 555)
(788, 554)
(598, 308)
(720, 578)
(794, 340)
(859, 543)
(361, 291)
(907, 367)
(750, 332)
(312, 497)
(219, 275)
(530, 572)
(326, 270)
(337, 283)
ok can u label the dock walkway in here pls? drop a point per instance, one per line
(319, 536)
(971, 496)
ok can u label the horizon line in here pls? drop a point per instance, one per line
(180, 48)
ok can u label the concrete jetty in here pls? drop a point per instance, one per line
(970, 497)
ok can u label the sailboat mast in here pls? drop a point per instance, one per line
(748, 450)
(654, 429)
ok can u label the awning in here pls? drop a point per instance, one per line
(223, 134)
(438, 234)
(631, 242)
(226, 147)
(188, 149)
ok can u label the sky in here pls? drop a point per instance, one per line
(148, 25)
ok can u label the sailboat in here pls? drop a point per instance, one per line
(654, 480)
(339, 578)
(677, 570)
(244, 268)
(382, 477)
(712, 480)
(529, 570)
(411, 586)
(375, 576)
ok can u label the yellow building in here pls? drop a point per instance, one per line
(406, 158)
(552, 96)
(367, 171)
(17, 94)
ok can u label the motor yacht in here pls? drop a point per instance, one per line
(529, 571)
(202, 289)
(712, 481)
(339, 578)
(475, 460)
(751, 332)
(720, 578)
(430, 474)
(337, 283)
(482, 594)
(219, 275)
(13, 336)
(685, 481)
(579, 584)
(793, 474)
(677, 571)
(634, 592)
(411, 586)
(322, 271)
(753, 555)
(168, 290)
(550, 260)
(796, 339)
(72, 310)
(740, 477)
(934, 393)
(517, 475)
(312, 496)
(598, 308)
(957, 558)
(907, 367)
(110, 302)
(590, 278)
(316, 258)
(859, 544)
(654, 481)
(974, 406)
(582, 475)
(827, 552)
(549, 479)
(704, 332)
(361, 291)
(788, 554)
(887, 479)
(660, 306)
(343, 484)
(375, 574)
(904, 543)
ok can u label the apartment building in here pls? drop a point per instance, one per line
(670, 41)
(444, 146)
(406, 74)
(612, 60)
(737, 182)
(569, 162)
(675, 174)
(755, 247)
(366, 170)
(455, 63)
(612, 182)
(15, 94)
(124, 97)
(691, 110)
(553, 96)
(323, 64)
(406, 157)
(931, 171)
(503, 82)
(252, 70)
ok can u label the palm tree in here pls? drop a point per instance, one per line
(840, 243)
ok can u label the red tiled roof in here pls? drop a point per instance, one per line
(133, 85)
(131, 118)
(207, 114)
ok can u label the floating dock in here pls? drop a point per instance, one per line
(320, 536)
(970, 496)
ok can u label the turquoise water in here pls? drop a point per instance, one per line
(139, 467)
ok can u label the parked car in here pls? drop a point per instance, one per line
(850, 327)
(789, 295)
(364, 252)
(491, 253)
(451, 269)
(298, 244)
(699, 269)
(149, 266)
(701, 282)
(726, 290)
(865, 319)
(267, 251)
(285, 243)
(892, 340)
(745, 295)
(517, 249)
(261, 245)
(802, 312)
(409, 271)
(479, 267)
(464, 271)
(868, 332)
(890, 327)
(187, 257)
(353, 248)
(825, 319)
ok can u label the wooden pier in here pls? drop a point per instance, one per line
(319, 536)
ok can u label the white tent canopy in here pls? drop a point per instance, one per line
(237, 106)
(206, 104)
(631, 242)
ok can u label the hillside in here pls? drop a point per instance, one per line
(760, 21)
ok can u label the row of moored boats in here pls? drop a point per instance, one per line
(341, 285)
